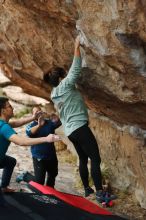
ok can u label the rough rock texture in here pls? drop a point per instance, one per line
(4, 81)
(115, 55)
(123, 152)
(16, 94)
(36, 35)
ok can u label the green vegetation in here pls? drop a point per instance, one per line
(105, 176)
(122, 194)
(1, 92)
(65, 156)
(70, 158)
(105, 171)
(26, 110)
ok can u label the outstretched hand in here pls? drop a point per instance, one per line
(37, 114)
(41, 121)
(52, 138)
(77, 41)
(54, 117)
(77, 47)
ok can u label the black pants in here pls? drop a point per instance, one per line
(41, 167)
(86, 147)
(7, 164)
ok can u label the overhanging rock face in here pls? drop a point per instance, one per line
(36, 35)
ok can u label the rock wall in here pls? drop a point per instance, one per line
(123, 152)
(36, 35)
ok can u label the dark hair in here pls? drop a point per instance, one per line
(52, 76)
(3, 101)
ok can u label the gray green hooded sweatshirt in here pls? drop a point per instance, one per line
(68, 100)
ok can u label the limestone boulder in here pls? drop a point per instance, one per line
(37, 35)
(4, 81)
(16, 94)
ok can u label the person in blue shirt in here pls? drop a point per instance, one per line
(43, 155)
(8, 135)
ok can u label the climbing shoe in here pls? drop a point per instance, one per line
(100, 195)
(104, 196)
(110, 196)
(21, 177)
(88, 191)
